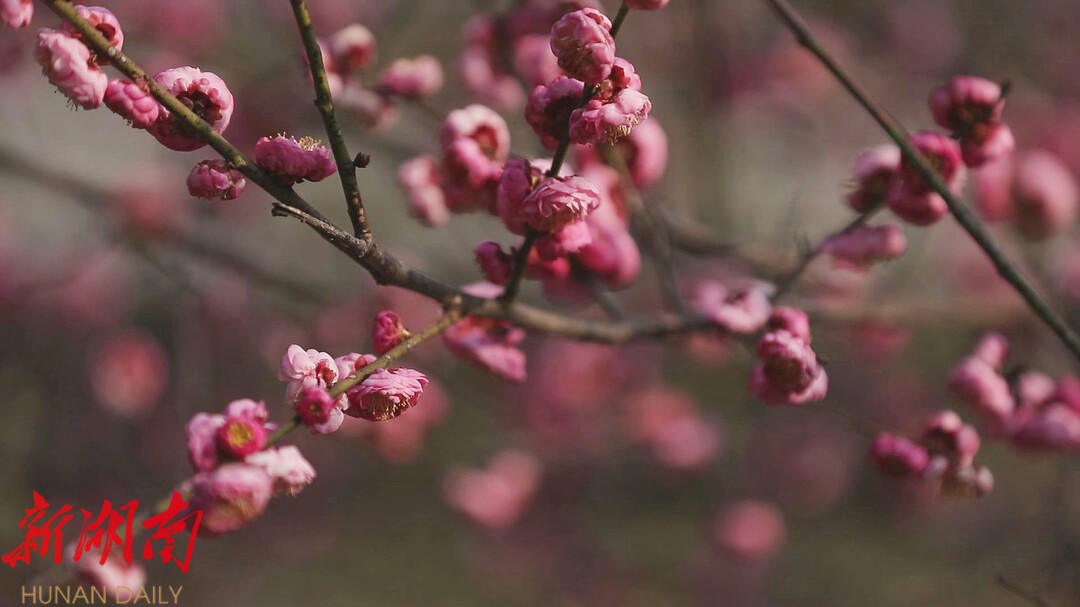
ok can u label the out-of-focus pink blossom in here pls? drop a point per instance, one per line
(318, 410)
(995, 141)
(66, 62)
(1046, 195)
(550, 106)
(128, 373)
(420, 179)
(912, 199)
(599, 122)
(668, 422)
(132, 103)
(518, 179)
(792, 320)
(353, 48)
(489, 343)
(480, 124)
(993, 190)
(571, 238)
(294, 160)
(115, 573)
(496, 264)
(373, 109)
(645, 151)
(1055, 427)
(411, 78)
(971, 108)
(202, 440)
(482, 69)
(557, 202)
(583, 45)
(977, 382)
(475, 142)
(386, 394)
(350, 364)
(899, 456)
(876, 170)
(230, 496)
(104, 21)
(534, 60)
(205, 94)
(864, 246)
(148, 209)
(750, 530)
(494, 497)
(16, 13)
(286, 466)
(946, 434)
(388, 331)
(612, 256)
(215, 179)
(743, 310)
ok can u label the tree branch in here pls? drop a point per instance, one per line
(325, 104)
(960, 212)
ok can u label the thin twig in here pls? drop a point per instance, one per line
(960, 212)
(325, 104)
(517, 273)
(1019, 591)
(788, 281)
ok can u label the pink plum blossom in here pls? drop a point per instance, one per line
(911, 198)
(114, 573)
(750, 530)
(131, 103)
(599, 122)
(202, 440)
(669, 423)
(876, 170)
(294, 160)
(971, 108)
(128, 373)
(534, 60)
(494, 497)
(898, 456)
(240, 436)
(286, 466)
(864, 246)
(386, 394)
(231, 496)
(16, 13)
(495, 264)
(519, 178)
(411, 78)
(215, 179)
(742, 310)
(583, 45)
(318, 410)
(353, 48)
(104, 21)
(550, 106)
(481, 68)
(420, 179)
(388, 331)
(792, 320)
(1046, 195)
(66, 62)
(557, 202)
(205, 94)
(489, 343)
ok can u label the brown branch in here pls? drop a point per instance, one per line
(967, 220)
(325, 104)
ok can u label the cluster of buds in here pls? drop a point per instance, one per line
(788, 371)
(1028, 408)
(944, 455)
(970, 108)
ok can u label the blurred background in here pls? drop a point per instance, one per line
(128, 306)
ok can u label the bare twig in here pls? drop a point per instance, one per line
(1020, 591)
(960, 212)
(325, 104)
(788, 281)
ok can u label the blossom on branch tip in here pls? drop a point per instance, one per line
(131, 103)
(215, 179)
(16, 13)
(388, 331)
(583, 45)
(411, 78)
(294, 160)
(205, 94)
(286, 466)
(353, 48)
(67, 63)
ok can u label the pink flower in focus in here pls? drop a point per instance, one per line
(16, 13)
(1046, 194)
(230, 496)
(557, 202)
(569, 239)
(864, 246)
(420, 179)
(876, 170)
(286, 466)
(737, 310)
(386, 394)
(318, 410)
(131, 103)
(411, 78)
(518, 179)
(66, 62)
(647, 5)
(104, 21)
(598, 122)
(612, 256)
(486, 342)
(751, 530)
(583, 45)
(898, 456)
(240, 437)
(128, 373)
(294, 160)
(495, 264)
(388, 331)
(353, 48)
(205, 94)
(550, 107)
(215, 179)
(494, 496)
